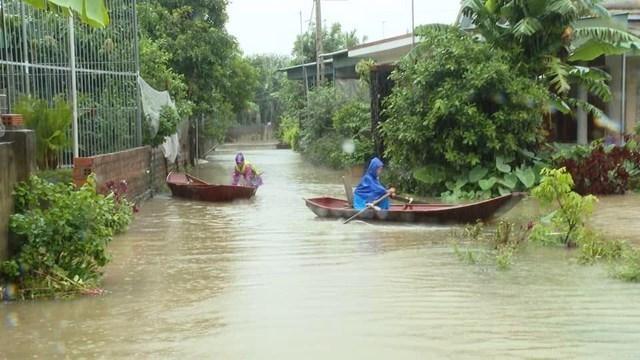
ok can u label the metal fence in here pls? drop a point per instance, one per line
(97, 75)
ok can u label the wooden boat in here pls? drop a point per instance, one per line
(328, 207)
(190, 187)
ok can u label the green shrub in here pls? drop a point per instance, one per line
(594, 247)
(167, 126)
(57, 176)
(51, 125)
(566, 225)
(64, 233)
(325, 151)
(458, 104)
(317, 115)
(629, 268)
(289, 131)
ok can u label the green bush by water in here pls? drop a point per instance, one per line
(51, 123)
(63, 232)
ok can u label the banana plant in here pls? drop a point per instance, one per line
(550, 40)
(91, 12)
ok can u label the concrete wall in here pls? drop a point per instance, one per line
(250, 133)
(24, 150)
(7, 181)
(144, 169)
(17, 163)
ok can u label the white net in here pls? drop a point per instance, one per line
(152, 103)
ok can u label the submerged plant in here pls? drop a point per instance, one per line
(566, 224)
(629, 268)
(594, 247)
(496, 247)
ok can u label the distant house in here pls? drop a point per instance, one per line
(340, 69)
(623, 110)
(624, 107)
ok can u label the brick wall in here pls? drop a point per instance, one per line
(141, 167)
(159, 170)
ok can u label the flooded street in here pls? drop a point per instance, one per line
(266, 279)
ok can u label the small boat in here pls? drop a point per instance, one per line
(328, 207)
(190, 187)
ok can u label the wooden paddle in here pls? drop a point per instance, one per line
(369, 206)
(408, 200)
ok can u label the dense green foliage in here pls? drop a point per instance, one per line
(548, 39)
(335, 131)
(167, 126)
(458, 104)
(289, 131)
(566, 225)
(330, 129)
(51, 125)
(186, 49)
(64, 234)
(62, 175)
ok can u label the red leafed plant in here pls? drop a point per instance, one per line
(119, 191)
(601, 169)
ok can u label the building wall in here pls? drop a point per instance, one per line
(142, 168)
(7, 182)
(17, 163)
(631, 93)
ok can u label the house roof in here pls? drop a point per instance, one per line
(385, 51)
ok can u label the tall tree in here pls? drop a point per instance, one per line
(197, 48)
(270, 82)
(333, 39)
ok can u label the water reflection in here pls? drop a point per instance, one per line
(266, 279)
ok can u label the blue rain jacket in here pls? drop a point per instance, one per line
(370, 189)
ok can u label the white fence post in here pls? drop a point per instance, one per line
(74, 90)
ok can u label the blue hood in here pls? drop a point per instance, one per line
(374, 165)
(370, 188)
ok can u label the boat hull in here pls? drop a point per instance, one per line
(189, 187)
(327, 207)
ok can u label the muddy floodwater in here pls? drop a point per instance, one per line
(266, 279)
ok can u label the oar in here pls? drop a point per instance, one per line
(408, 200)
(372, 205)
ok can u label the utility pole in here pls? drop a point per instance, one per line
(304, 68)
(319, 62)
(413, 26)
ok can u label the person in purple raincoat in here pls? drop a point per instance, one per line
(245, 173)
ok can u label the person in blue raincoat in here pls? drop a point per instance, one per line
(370, 189)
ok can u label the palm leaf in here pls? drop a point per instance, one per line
(526, 27)
(557, 73)
(607, 34)
(562, 7)
(591, 109)
(557, 103)
(594, 79)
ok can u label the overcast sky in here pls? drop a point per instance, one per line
(271, 26)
